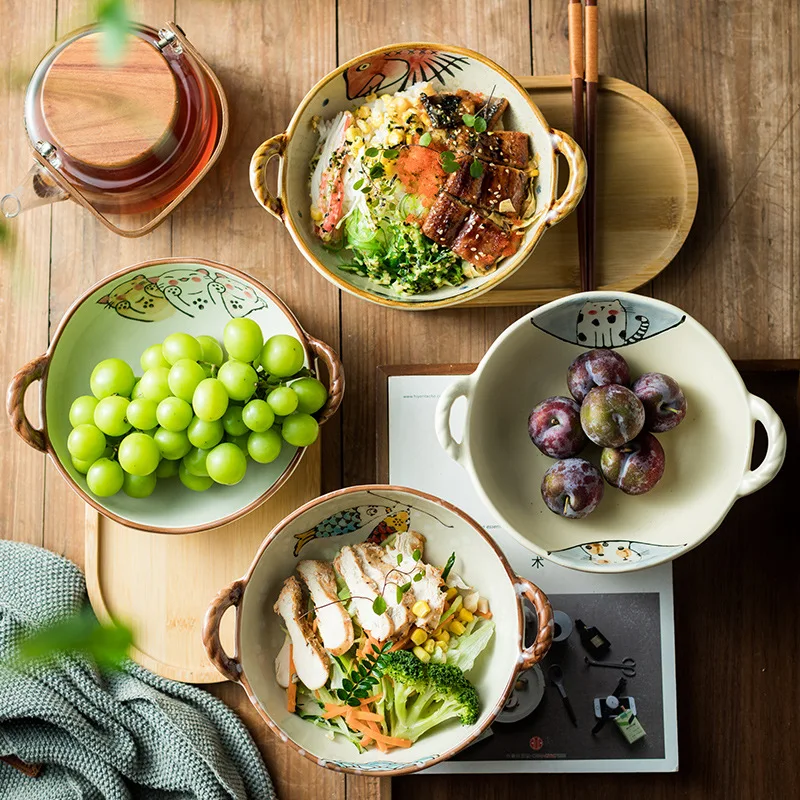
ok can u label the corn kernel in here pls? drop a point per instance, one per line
(419, 636)
(456, 627)
(363, 112)
(465, 616)
(362, 126)
(394, 138)
(442, 646)
(316, 214)
(442, 636)
(421, 654)
(371, 98)
(429, 646)
(451, 593)
(483, 606)
(409, 138)
(420, 609)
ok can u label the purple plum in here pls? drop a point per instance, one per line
(636, 467)
(612, 415)
(664, 402)
(596, 368)
(555, 427)
(572, 488)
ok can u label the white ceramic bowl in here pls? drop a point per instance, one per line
(121, 316)
(708, 455)
(309, 533)
(390, 69)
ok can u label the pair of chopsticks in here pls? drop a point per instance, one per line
(583, 71)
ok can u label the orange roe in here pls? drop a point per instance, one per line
(420, 172)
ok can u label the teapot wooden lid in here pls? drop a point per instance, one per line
(109, 115)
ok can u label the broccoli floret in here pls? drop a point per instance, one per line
(424, 696)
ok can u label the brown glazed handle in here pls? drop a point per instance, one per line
(258, 174)
(231, 596)
(15, 402)
(335, 377)
(544, 617)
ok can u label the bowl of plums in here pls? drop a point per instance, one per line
(609, 432)
(177, 395)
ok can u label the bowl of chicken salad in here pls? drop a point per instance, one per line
(418, 176)
(378, 630)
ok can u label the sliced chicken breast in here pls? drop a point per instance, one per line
(333, 622)
(429, 589)
(363, 591)
(310, 659)
(386, 574)
(282, 664)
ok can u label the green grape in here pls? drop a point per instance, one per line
(300, 430)
(242, 339)
(112, 376)
(174, 414)
(81, 466)
(153, 357)
(264, 446)
(197, 483)
(139, 485)
(110, 413)
(138, 454)
(205, 435)
(212, 352)
(136, 392)
(311, 395)
(240, 441)
(226, 464)
(86, 443)
(194, 462)
(180, 345)
(283, 400)
(233, 423)
(167, 468)
(283, 356)
(81, 412)
(154, 384)
(142, 414)
(184, 376)
(210, 400)
(258, 416)
(104, 477)
(172, 444)
(239, 379)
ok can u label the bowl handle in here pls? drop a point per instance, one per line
(231, 596)
(460, 388)
(566, 204)
(15, 402)
(544, 616)
(758, 478)
(258, 174)
(335, 377)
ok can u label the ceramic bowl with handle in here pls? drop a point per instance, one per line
(707, 456)
(121, 316)
(387, 70)
(318, 530)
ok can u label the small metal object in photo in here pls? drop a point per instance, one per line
(627, 665)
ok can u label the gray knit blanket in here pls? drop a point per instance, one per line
(109, 736)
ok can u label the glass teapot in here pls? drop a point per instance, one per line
(126, 137)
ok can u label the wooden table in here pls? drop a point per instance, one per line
(728, 70)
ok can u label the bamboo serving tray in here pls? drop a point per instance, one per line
(161, 585)
(646, 196)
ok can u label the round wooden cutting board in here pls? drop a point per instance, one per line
(160, 585)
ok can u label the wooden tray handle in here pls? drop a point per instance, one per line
(15, 402)
(544, 616)
(566, 204)
(231, 596)
(335, 377)
(758, 478)
(258, 174)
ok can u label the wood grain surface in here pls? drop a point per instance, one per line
(729, 73)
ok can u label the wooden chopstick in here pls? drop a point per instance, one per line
(591, 142)
(577, 69)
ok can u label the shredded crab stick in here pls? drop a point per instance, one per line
(327, 184)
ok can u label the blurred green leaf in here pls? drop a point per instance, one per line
(79, 635)
(113, 17)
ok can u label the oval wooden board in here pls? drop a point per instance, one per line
(646, 197)
(160, 585)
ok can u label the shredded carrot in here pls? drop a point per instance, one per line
(291, 689)
(332, 710)
(374, 699)
(400, 643)
(368, 716)
(390, 741)
(484, 614)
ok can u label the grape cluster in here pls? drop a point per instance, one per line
(194, 413)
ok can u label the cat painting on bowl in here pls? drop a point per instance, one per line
(191, 291)
(138, 298)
